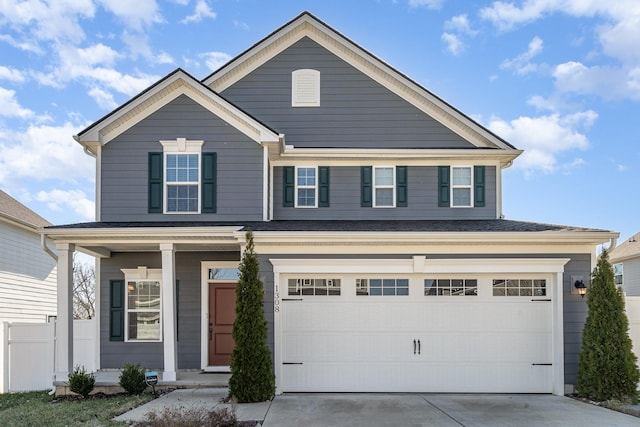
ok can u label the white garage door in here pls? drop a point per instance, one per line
(416, 334)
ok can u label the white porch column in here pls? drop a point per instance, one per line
(169, 311)
(558, 336)
(64, 321)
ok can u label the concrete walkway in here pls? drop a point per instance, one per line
(349, 409)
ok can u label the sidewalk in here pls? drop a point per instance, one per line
(197, 398)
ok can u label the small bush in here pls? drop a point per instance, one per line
(132, 379)
(203, 417)
(81, 382)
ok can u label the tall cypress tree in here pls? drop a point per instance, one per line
(252, 378)
(607, 368)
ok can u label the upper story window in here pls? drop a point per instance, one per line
(182, 179)
(384, 186)
(461, 186)
(384, 194)
(306, 187)
(182, 182)
(305, 88)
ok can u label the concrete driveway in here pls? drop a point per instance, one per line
(399, 410)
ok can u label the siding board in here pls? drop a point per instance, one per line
(124, 189)
(354, 112)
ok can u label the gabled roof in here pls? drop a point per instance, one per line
(177, 83)
(307, 25)
(15, 212)
(627, 250)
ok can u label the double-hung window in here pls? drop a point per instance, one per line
(142, 304)
(384, 193)
(306, 187)
(461, 186)
(182, 177)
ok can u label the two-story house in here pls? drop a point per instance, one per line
(27, 273)
(376, 209)
(625, 259)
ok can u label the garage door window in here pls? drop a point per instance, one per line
(376, 287)
(314, 286)
(519, 287)
(458, 287)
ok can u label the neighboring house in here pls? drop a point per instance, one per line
(27, 273)
(376, 209)
(625, 259)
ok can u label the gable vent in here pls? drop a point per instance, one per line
(305, 88)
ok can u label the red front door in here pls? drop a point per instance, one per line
(222, 313)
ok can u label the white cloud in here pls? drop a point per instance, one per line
(460, 23)
(215, 60)
(453, 42)
(241, 25)
(77, 200)
(11, 74)
(546, 138)
(522, 64)
(103, 98)
(202, 11)
(42, 153)
(26, 45)
(604, 81)
(10, 107)
(431, 4)
(137, 14)
(53, 20)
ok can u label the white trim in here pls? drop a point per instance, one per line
(177, 147)
(98, 198)
(557, 335)
(204, 309)
(168, 304)
(179, 83)
(305, 88)
(306, 187)
(374, 187)
(265, 183)
(307, 26)
(453, 186)
(134, 275)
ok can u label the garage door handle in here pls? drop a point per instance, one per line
(418, 346)
(542, 364)
(414, 346)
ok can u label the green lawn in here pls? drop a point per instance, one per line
(38, 408)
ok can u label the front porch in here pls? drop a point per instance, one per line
(107, 381)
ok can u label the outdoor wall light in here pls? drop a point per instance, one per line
(581, 287)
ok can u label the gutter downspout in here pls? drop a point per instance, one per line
(43, 244)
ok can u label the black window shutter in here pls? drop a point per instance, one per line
(116, 310)
(323, 186)
(155, 183)
(444, 176)
(366, 186)
(288, 186)
(209, 177)
(479, 187)
(401, 187)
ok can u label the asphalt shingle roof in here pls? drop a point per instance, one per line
(16, 211)
(487, 225)
(629, 249)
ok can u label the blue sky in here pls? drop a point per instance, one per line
(557, 78)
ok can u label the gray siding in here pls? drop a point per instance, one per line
(124, 165)
(344, 196)
(354, 110)
(150, 355)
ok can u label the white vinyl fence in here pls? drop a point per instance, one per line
(27, 353)
(632, 305)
